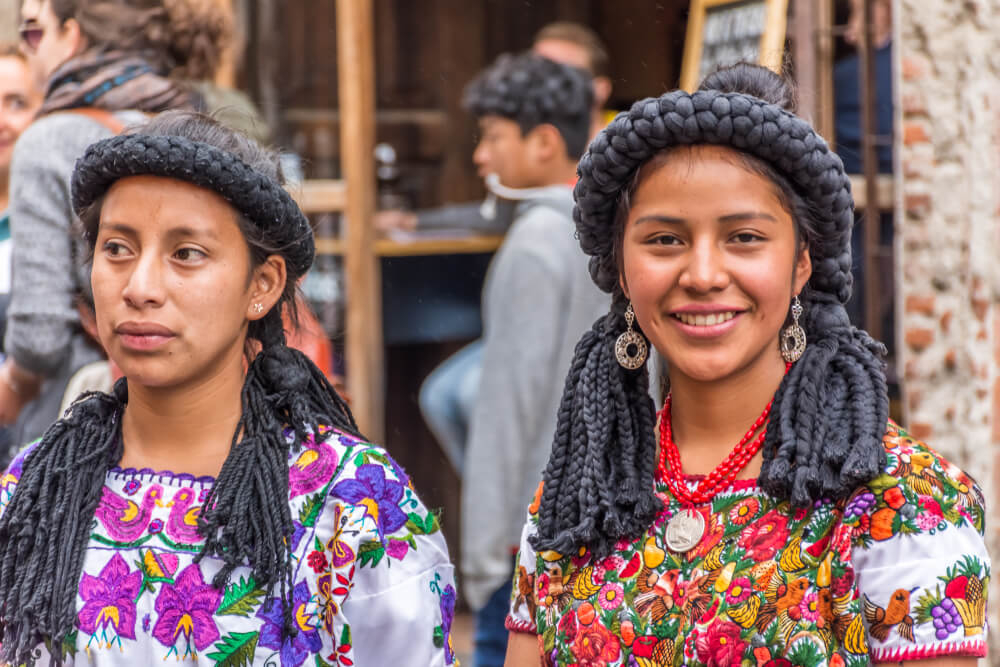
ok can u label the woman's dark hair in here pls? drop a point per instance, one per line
(825, 433)
(246, 520)
(531, 91)
(183, 38)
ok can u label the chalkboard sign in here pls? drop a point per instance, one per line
(722, 32)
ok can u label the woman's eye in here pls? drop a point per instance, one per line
(189, 254)
(747, 237)
(665, 239)
(113, 249)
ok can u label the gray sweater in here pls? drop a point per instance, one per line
(49, 262)
(538, 301)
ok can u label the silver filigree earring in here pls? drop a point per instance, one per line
(631, 348)
(793, 338)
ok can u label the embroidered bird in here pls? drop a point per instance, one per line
(314, 467)
(784, 606)
(895, 615)
(525, 591)
(917, 469)
(182, 524)
(658, 593)
(123, 519)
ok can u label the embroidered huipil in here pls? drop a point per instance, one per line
(373, 583)
(896, 572)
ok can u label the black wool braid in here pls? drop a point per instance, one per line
(246, 516)
(825, 433)
(46, 526)
(603, 454)
(45, 529)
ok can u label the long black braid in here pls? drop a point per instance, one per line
(830, 411)
(246, 520)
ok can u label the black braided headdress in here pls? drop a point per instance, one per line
(246, 518)
(830, 411)
(263, 201)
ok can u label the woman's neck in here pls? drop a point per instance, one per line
(708, 419)
(184, 429)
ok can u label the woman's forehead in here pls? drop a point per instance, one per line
(154, 201)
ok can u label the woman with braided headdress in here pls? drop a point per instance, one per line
(220, 506)
(720, 222)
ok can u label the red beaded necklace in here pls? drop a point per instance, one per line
(723, 475)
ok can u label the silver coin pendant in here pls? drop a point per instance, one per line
(685, 530)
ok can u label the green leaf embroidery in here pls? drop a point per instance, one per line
(310, 511)
(345, 636)
(317, 545)
(438, 637)
(374, 455)
(241, 598)
(370, 554)
(235, 650)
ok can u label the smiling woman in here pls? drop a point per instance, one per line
(780, 518)
(222, 495)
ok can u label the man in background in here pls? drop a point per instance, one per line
(564, 42)
(534, 119)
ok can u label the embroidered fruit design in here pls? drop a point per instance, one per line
(586, 613)
(584, 586)
(652, 555)
(966, 593)
(725, 578)
(628, 633)
(855, 640)
(946, 619)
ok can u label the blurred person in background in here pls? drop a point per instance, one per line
(564, 42)
(19, 101)
(534, 120)
(106, 64)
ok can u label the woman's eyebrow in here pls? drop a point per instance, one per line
(660, 218)
(747, 215)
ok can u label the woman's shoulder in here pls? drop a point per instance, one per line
(918, 487)
(366, 497)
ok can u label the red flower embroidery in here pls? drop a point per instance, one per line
(567, 625)
(763, 538)
(720, 645)
(595, 646)
(317, 561)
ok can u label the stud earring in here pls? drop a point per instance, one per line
(793, 338)
(631, 348)
(258, 308)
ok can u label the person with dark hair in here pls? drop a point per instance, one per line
(720, 224)
(564, 42)
(220, 505)
(105, 64)
(534, 117)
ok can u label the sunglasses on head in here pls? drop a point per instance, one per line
(31, 35)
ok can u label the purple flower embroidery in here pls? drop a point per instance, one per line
(379, 496)
(109, 599)
(132, 486)
(340, 551)
(447, 604)
(307, 642)
(186, 608)
(155, 526)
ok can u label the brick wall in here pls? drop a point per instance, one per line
(947, 241)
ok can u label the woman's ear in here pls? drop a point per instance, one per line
(266, 286)
(803, 270)
(624, 286)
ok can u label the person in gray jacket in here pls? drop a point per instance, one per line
(106, 63)
(534, 119)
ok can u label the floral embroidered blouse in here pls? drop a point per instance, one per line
(373, 582)
(899, 571)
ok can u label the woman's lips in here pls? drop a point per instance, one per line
(706, 325)
(144, 337)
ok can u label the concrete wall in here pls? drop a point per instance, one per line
(948, 246)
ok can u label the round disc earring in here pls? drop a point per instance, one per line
(631, 348)
(793, 338)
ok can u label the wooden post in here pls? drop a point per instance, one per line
(872, 284)
(356, 79)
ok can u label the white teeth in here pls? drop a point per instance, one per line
(705, 320)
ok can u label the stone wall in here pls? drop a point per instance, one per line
(947, 240)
